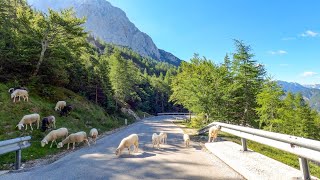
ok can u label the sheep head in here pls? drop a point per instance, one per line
(118, 151)
(20, 126)
(43, 143)
(60, 145)
(218, 127)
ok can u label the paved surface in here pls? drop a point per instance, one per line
(253, 165)
(172, 161)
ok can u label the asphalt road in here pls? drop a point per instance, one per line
(172, 161)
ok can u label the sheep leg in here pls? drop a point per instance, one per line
(31, 126)
(129, 150)
(68, 145)
(87, 142)
(51, 143)
(74, 144)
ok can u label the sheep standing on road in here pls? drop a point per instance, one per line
(48, 122)
(73, 138)
(29, 119)
(213, 132)
(54, 135)
(163, 137)
(60, 105)
(156, 140)
(20, 93)
(93, 134)
(186, 139)
(127, 142)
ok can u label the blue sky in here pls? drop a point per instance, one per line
(284, 34)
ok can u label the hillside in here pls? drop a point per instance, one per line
(85, 116)
(312, 95)
(110, 24)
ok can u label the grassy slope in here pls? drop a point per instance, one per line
(85, 116)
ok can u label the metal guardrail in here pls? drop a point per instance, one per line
(16, 145)
(174, 113)
(305, 149)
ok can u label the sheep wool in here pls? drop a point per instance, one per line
(73, 138)
(186, 139)
(29, 119)
(127, 142)
(93, 134)
(213, 132)
(54, 135)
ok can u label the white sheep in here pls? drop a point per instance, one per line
(213, 132)
(127, 142)
(94, 134)
(163, 137)
(29, 119)
(156, 140)
(19, 93)
(186, 139)
(73, 138)
(60, 105)
(54, 135)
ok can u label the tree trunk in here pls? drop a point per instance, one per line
(44, 46)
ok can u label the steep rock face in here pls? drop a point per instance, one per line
(110, 24)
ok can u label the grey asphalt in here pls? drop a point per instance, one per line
(172, 161)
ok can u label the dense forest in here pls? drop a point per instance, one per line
(41, 50)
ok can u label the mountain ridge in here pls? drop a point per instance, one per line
(110, 24)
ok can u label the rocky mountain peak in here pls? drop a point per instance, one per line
(110, 24)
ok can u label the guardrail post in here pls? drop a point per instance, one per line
(244, 144)
(18, 159)
(304, 167)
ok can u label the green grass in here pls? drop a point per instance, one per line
(85, 116)
(279, 155)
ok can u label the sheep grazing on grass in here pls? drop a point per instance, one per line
(156, 140)
(127, 142)
(186, 139)
(66, 110)
(60, 105)
(54, 135)
(163, 137)
(93, 134)
(15, 88)
(213, 132)
(20, 93)
(73, 138)
(48, 122)
(29, 119)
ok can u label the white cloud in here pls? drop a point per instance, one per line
(309, 33)
(279, 52)
(308, 74)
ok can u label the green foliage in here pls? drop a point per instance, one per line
(85, 116)
(224, 92)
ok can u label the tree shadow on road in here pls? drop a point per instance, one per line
(137, 155)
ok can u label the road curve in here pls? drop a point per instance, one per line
(172, 161)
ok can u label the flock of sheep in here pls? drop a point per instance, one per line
(161, 138)
(50, 122)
